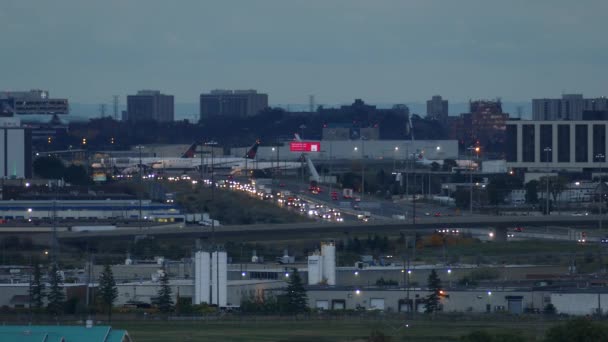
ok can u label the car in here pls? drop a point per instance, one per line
(427, 214)
(604, 240)
(518, 229)
(281, 185)
(437, 214)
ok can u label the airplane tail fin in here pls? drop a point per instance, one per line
(253, 150)
(190, 151)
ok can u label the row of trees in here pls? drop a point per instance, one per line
(294, 300)
(54, 168)
(107, 292)
(499, 188)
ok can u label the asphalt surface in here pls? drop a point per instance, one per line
(304, 229)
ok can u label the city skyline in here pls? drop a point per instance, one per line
(386, 52)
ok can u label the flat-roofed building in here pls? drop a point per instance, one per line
(150, 105)
(556, 145)
(569, 107)
(35, 101)
(233, 103)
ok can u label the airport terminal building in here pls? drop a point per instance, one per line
(362, 149)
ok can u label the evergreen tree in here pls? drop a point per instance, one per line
(108, 292)
(432, 300)
(163, 300)
(36, 288)
(56, 297)
(296, 293)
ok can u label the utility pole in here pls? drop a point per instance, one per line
(547, 151)
(471, 149)
(601, 157)
(141, 182)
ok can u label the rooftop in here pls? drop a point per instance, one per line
(61, 333)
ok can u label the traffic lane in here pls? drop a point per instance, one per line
(278, 231)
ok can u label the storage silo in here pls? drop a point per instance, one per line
(315, 269)
(328, 251)
(202, 272)
(219, 278)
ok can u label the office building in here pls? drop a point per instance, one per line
(569, 107)
(347, 131)
(31, 102)
(150, 105)
(437, 109)
(556, 145)
(233, 103)
(15, 149)
(484, 124)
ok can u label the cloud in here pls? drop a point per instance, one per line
(387, 49)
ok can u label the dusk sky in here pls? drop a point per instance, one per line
(382, 51)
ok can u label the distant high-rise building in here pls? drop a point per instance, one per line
(569, 107)
(31, 102)
(437, 109)
(485, 123)
(236, 103)
(150, 105)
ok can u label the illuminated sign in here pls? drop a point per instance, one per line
(304, 146)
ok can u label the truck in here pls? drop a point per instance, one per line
(364, 216)
(82, 229)
(209, 222)
(347, 193)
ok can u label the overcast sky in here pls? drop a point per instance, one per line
(379, 50)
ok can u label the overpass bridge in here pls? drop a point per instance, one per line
(295, 230)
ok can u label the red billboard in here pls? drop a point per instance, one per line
(305, 146)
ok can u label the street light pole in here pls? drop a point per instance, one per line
(471, 149)
(362, 168)
(601, 158)
(140, 147)
(547, 151)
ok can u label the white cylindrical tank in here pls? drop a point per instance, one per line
(219, 278)
(315, 269)
(328, 251)
(202, 273)
(197, 280)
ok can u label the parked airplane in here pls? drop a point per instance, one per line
(189, 161)
(134, 162)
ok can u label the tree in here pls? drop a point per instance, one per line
(49, 167)
(432, 300)
(55, 296)
(77, 175)
(580, 330)
(37, 288)
(483, 336)
(448, 164)
(462, 198)
(378, 336)
(107, 290)
(532, 192)
(296, 293)
(557, 185)
(163, 300)
(549, 309)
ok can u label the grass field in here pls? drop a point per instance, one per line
(352, 329)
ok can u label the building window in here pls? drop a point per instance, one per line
(581, 146)
(599, 142)
(528, 143)
(563, 143)
(546, 140)
(511, 145)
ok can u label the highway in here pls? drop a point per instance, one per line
(279, 231)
